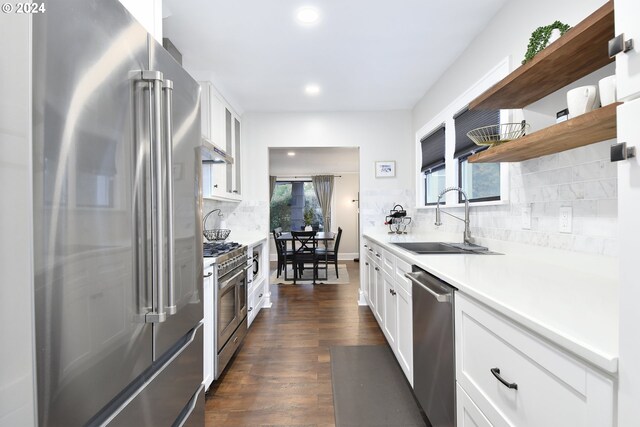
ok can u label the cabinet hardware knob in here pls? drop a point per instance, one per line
(621, 152)
(250, 309)
(496, 373)
(209, 274)
(235, 340)
(366, 263)
(215, 185)
(618, 45)
(377, 269)
(260, 296)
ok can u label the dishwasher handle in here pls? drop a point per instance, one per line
(440, 297)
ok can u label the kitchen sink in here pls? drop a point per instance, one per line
(444, 248)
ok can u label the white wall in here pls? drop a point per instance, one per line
(508, 34)
(17, 357)
(379, 135)
(346, 212)
(582, 178)
(148, 13)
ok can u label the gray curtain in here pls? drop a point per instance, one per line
(272, 186)
(323, 185)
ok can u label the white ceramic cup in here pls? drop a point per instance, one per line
(582, 100)
(607, 87)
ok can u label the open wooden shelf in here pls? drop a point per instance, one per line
(595, 126)
(580, 51)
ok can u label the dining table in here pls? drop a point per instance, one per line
(321, 236)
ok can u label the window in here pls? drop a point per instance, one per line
(480, 181)
(290, 201)
(433, 146)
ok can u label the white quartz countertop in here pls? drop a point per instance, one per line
(568, 298)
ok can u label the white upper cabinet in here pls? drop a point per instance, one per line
(221, 126)
(627, 17)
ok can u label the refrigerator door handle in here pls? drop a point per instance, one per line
(139, 221)
(155, 80)
(167, 90)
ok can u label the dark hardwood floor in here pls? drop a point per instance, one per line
(281, 376)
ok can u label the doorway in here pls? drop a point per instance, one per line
(293, 196)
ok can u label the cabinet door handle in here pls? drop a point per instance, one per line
(378, 255)
(209, 274)
(215, 185)
(496, 373)
(377, 269)
(393, 292)
(250, 309)
(618, 45)
(260, 296)
(366, 263)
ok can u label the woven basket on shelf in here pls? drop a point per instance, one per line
(498, 134)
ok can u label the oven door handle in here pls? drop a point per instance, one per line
(224, 284)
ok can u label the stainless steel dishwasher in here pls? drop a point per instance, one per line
(433, 347)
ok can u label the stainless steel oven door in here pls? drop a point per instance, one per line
(228, 306)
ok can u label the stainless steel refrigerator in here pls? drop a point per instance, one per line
(117, 252)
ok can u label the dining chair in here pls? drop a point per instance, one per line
(331, 255)
(304, 246)
(284, 256)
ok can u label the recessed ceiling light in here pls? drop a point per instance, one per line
(307, 15)
(312, 89)
(291, 154)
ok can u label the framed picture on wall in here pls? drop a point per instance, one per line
(385, 169)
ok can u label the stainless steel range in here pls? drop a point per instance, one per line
(230, 262)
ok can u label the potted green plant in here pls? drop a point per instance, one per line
(308, 219)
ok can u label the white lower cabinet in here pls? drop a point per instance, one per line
(390, 317)
(208, 327)
(468, 414)
(389, 296)
(254, 302)
(517, 379)
(404, 338)
(379, 285)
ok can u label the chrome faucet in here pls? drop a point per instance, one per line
(467, 235)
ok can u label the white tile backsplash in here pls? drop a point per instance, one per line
(582, 178)
(245, 216)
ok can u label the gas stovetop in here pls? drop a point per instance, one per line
(211, 250)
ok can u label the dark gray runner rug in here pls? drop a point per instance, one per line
(370, 389)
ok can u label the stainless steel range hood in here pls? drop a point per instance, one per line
(211, 153)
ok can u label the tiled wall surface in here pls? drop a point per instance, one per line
(583, 178)
(246, 215)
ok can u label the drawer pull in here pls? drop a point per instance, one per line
(208, 274)
(496, 373)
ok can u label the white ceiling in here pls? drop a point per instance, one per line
(364, 54)
(313, 161)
